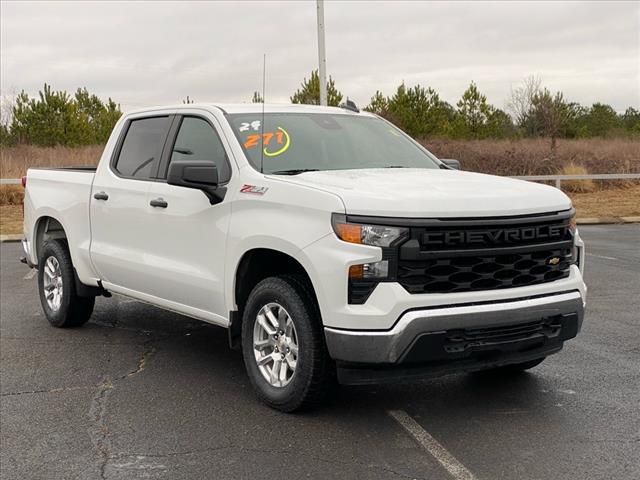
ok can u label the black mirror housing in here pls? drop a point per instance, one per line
(192, 174)
(451, 163)
(198, 175)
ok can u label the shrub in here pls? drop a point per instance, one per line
(577, 186)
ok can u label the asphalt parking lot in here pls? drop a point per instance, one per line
(143, 393)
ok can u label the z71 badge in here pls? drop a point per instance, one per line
(253, 189)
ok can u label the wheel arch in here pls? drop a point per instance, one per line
(254, 266)
(49, 228)
(46, 228)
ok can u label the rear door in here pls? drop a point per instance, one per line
(189, 234)
(119, 211)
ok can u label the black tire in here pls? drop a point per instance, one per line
(314, 369)
(73, 310)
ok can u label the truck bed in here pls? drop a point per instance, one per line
(64, 195)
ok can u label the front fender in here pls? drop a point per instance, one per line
(241, 247)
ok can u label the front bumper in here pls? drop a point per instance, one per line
(462, 337)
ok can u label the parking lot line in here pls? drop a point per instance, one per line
(601, 256)
(450, 463)
(32, 273)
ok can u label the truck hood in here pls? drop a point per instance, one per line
(419, 192)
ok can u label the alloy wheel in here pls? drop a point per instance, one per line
(52, 282)
(275, 344)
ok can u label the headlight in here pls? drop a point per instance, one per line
(375, 235)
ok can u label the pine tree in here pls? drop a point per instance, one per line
(57, 118)
(473, 113)
(379, 104)
(309, 92)
(257, 98)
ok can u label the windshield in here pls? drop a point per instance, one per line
(298, 142)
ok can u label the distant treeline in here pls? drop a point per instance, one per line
(58, 118)
(533, 111)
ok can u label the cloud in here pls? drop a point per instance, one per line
(147, 53)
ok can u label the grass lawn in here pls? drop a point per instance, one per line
(613, 202)
(10, 219)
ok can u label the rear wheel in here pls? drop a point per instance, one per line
(56, 284)
(283, 345)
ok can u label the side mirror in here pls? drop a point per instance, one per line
(451, 163)
(199, 175)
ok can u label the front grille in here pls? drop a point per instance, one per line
(467, 255)
(485, 255)
(484, 272)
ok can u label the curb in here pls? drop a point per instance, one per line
(14, 237)
(607, 220)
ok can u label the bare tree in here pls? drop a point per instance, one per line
(521, 99)
(7, 101)
(551, 113)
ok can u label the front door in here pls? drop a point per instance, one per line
(188, 234)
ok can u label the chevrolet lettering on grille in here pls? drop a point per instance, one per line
(495, 236)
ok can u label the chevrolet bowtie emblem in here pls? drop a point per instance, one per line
(553, 261)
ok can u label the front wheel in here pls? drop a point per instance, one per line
(283, 345)
(56, 284)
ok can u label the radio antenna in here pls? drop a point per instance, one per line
(264, 76)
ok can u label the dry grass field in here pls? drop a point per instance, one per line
(502, 157)
(14, 161)
(10, 219)
(534, 157)
(614, 202)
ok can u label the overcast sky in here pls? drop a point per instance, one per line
(158, 52)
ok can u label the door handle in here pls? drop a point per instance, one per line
(159, 203)
(101, 196)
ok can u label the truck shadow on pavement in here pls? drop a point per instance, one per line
(198, 353)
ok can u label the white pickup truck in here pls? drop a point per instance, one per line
(330, 245)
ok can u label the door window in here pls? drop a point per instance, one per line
(198, 141)
(142, 147)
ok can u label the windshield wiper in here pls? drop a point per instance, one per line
(295, 171)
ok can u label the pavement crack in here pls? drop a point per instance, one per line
(50, 390)
(98, 431)
(147, 353)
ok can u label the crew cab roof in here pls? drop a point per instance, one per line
(231, 108)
